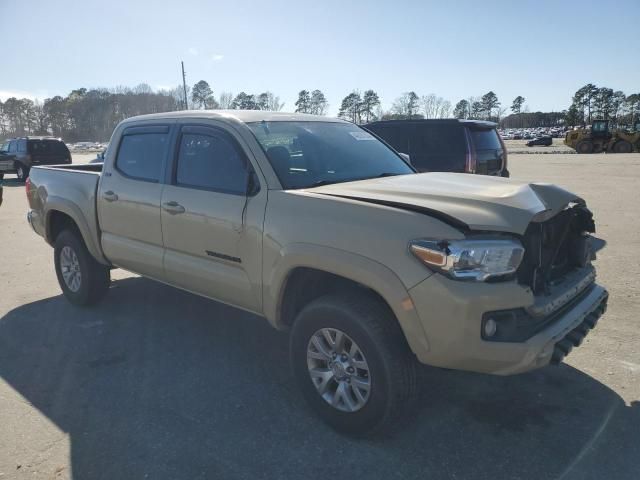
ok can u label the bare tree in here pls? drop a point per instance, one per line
(406, 105)
(225, 100)
(501, 112)
(428, 103)
(445, 109)
(142, 88)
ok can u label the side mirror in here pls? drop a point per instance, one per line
(406, 157)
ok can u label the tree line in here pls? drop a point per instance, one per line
(588, 103)
(591, 102)
(92, 114)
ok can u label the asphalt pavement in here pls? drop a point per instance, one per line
(158, 383)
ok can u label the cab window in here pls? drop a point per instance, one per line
(211, 162)
(141, 156)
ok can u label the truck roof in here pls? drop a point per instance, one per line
(244, 116)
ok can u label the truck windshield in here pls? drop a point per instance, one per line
(308, 154)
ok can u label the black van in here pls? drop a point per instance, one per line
(18, 155)
(446, 145)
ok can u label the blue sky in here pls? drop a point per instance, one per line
(543, 50)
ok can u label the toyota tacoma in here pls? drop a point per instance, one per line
(329, 234)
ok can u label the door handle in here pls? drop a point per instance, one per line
(110, 196)
(173, 208)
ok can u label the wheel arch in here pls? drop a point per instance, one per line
(305, 272)
(61, 214)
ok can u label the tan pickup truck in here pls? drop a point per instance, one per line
(325, 231)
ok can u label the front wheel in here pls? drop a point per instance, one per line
(82, 279)
(352, 362)
(584, 146)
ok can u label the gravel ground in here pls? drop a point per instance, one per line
(157, 383)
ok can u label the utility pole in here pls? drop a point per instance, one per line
(184, 87)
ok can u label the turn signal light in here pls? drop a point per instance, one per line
(437, 258)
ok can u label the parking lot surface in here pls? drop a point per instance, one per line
(157, 383)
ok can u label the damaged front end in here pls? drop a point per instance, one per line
(557, 268)
(556, 246)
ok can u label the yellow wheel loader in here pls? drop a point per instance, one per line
(600, 139)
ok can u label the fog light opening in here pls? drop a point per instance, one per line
(490, 328)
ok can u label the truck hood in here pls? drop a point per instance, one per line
(470, 202)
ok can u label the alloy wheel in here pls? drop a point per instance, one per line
(339, 370)
(70, 268)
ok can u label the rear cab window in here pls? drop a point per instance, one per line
(142, 152)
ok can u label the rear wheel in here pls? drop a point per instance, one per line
(22, 172)
(1, 176)
(585, 146)
(82, 279)
(352, 362)
(622, 146)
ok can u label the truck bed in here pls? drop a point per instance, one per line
(84, 168)
(70, 189)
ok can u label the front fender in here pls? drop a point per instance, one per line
(362, 270)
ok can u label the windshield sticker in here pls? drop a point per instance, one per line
(362, 136)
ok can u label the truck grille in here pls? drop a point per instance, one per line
(555, 247)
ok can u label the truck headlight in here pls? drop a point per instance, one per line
(478, 260)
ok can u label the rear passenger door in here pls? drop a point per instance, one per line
(129, 200)
(212, 229)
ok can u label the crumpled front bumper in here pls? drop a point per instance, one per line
(451, 313)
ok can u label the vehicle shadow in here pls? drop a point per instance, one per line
(11, 182)
(159, 383)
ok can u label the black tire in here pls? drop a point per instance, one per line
(585, 146)
(373, 327)
(622, 146)
(94, 277)
(1, 176)
(22, 172)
